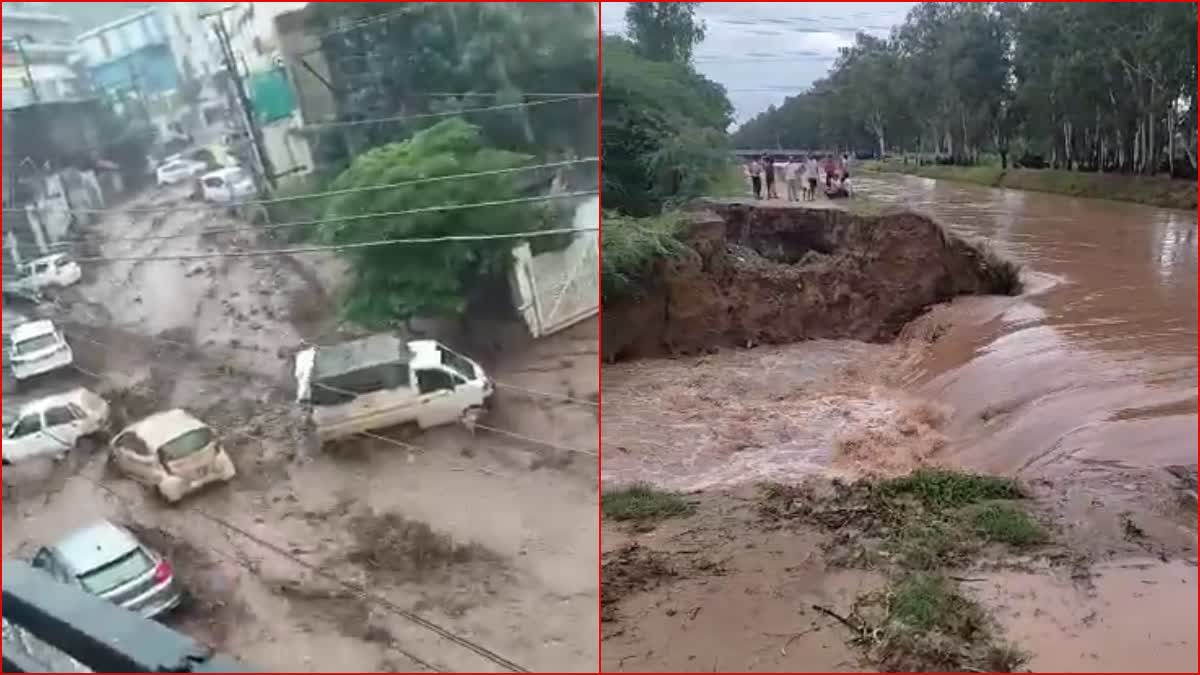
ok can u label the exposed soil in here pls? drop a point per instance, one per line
(771, 274)
(811, 577)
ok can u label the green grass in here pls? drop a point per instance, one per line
(926, 602)
(630, 246)
(642, 502)
(944, 489)
(1152, 190)
(1006, 524)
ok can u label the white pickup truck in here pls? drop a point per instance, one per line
(382, 381)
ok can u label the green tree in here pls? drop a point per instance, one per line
(664, 31)
(1080, 86)
(392, 60)
(398, 282)
(664, 135)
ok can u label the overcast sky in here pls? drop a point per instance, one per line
(763, 52)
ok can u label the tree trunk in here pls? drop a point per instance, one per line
(1171, 139)
(1151, 150)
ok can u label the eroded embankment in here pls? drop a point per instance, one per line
(752, 274)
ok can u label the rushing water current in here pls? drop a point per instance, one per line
(1091, 371)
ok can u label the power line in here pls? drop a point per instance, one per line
(416, 116)
(535, 392)
(329, 193)
(335, 247)
(348, 218)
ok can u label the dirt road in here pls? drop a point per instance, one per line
(489, 536)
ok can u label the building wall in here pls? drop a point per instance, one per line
(148, 71)
(120, 38)
(192, 40)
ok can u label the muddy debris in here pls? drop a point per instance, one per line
(631, 569)
(399, 550)
(212, 608)
(753, 274)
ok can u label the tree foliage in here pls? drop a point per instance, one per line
(389, 62)
(664, 31)
(1091, 86)
(663, 131)
(402, 281)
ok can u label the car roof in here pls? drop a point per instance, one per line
(73, 396)
(47, 258)
(223, 172)
(95, 545)
(360, 354)
(27, 331)
(164, 427)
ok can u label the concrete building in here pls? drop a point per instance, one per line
(36, 62)
(131, 55)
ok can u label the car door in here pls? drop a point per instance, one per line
(28, 438)
(61, 423)
(438, 404)
(134, 458)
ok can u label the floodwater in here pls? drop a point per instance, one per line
(1094, 367)
(1091, 373)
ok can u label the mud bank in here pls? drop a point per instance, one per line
(929, 572)
(758, 274)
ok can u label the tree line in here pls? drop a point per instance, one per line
(1075, 86)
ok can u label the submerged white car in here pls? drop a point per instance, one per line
(382, 381)
(172, 452)
(51, 426)
(38, 347)
(227, 186)
(178, 170)
(52, 271)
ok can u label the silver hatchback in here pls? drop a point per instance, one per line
(107, 560)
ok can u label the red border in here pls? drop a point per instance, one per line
(600, 331)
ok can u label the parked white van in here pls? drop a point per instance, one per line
(382, 381)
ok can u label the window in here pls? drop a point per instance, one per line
(36, 343)
(214, 182)
(430, 381)
(120, 571)
(458, 364)
(186, 444)
(131, 442)
(59, 415)
(29, 424)
(41, 268)
(43, 560)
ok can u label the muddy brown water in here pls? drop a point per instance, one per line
(1091, 372)
(1094, 366)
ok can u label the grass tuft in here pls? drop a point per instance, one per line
(630, 246)
(1005, 524)
(943, 489)
(643, 502)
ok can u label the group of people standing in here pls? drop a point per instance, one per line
(801, 174)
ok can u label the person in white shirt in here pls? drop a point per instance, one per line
(812, 174)
(791, 174)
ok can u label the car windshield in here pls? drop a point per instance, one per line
(186, 444)
(458, 364)
(122, 570)
(35, 344)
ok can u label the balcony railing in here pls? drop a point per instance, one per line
(52, 627)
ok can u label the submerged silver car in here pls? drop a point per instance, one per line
(105, 559)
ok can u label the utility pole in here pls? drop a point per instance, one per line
(266, 173)
(19, 44)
